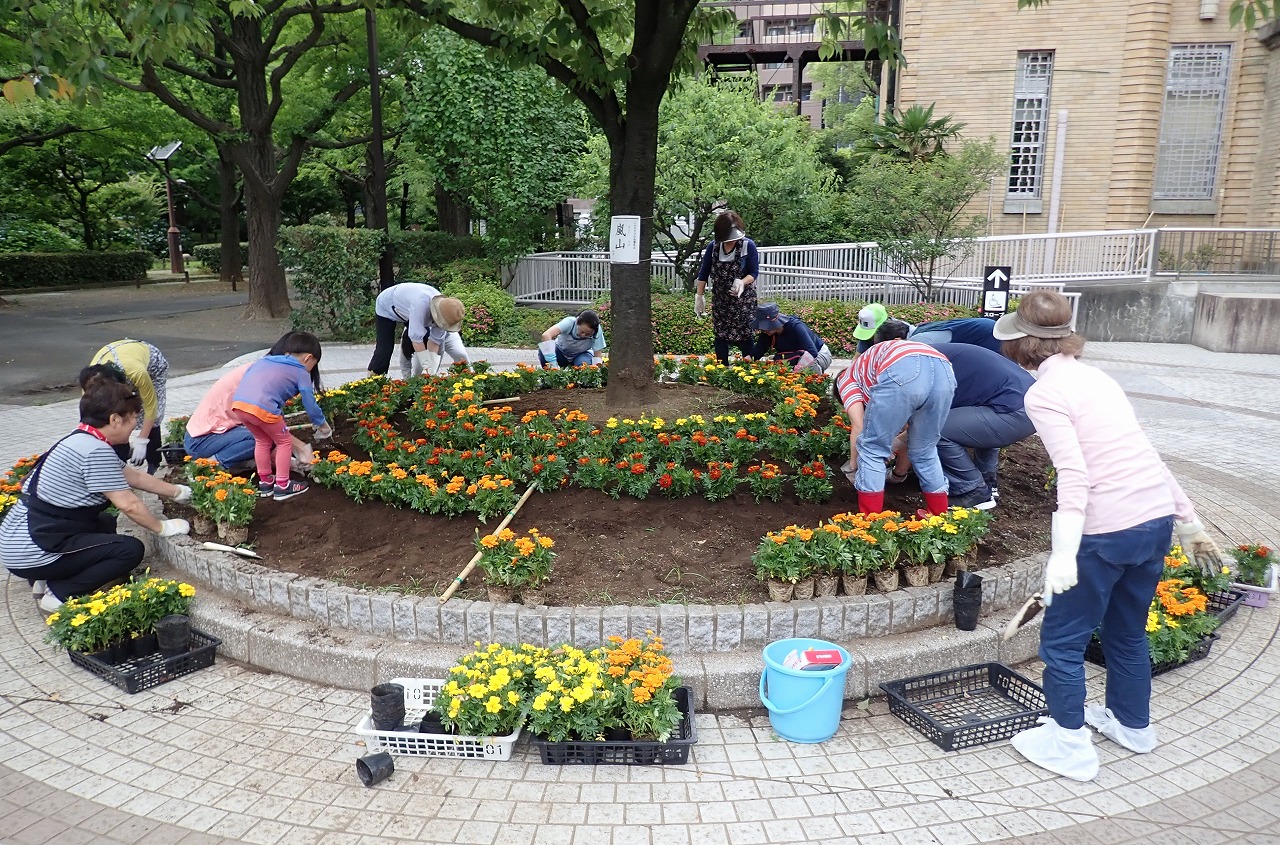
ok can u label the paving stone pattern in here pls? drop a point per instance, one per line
(238, 754)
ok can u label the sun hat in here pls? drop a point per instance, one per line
(736, 234)
(447, 313)
(869, 319)
(1013, 326)
(767, 318)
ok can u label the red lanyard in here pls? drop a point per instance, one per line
(91, 430)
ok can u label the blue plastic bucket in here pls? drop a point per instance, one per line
(804, 704)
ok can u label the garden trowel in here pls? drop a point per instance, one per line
(1029, 610)
(235, 550)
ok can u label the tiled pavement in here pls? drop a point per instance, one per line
(231, 754)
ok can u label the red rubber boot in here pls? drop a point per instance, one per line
(934, 503)
(872, 502)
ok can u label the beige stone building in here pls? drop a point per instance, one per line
(1129, 114)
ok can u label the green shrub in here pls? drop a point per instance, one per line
(71, 269)
(489, 307)
(676, 331)
(525, 328)
(335, 274)
(210, 255)
(418, 251)
(20, 235)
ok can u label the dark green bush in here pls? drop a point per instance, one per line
(335, 272)
(71, 269)
(418, 251)
(476, 283)
(18, 234)
(525, 328)
(676, 331)
(210, 255)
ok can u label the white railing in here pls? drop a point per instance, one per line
(861, 271)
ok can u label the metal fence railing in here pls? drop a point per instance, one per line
(862, 271)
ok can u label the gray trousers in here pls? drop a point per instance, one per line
(984, 430)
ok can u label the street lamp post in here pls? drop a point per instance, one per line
(161, 155)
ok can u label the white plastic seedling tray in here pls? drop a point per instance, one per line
(419, 693)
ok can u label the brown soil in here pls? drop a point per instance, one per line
(624, 551)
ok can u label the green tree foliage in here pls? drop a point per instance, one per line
(335, 273)
(718, 145)
(910, 135)
(916, 208)
(501, 138)
(132, 205)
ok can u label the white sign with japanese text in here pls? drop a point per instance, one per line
(624, 239)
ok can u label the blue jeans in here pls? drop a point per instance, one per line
(932, 337)
(229, 448)
(984, 430)
(917, 389)
(582, 359)
(1118, 576)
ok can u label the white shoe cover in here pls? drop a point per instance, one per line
(39, 588)
(1069, 753)
(406, 368)
(49, 603)
(1140, 740)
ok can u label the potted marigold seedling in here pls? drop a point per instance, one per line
(229, 503)
(1255, 573)
(782, 559)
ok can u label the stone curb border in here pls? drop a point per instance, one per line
(315, 647)
(685, 629)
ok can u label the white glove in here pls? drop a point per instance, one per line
(174, 527)
(699, 305)
(1060, 574)
(1199, 547)
(303, 454)
(805, 362)
(849, 470)
(138, 449)
(183, 495)
(738, 287)
(324, 432)
(548, 350)
(426, 362)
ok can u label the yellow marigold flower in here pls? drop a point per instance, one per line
(79, 620)
(186, 590)
(493, 705)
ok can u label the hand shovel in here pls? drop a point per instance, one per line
(1029, 610)
(235, 550)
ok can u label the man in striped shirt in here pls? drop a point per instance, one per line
(892, 384)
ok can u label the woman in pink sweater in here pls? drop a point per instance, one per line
(1118, 507)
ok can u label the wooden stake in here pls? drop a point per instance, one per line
(462, 576)
(500, 401)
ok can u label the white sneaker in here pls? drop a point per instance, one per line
(39, 588)
(1138, 740)
(1069, 753)
(50, 603)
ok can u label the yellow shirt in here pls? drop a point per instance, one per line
(132, 356)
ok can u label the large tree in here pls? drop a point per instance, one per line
(251, 50)
(500, 139)
(719, 146)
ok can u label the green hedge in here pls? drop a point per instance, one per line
(676, 331)
(210, 255)
(418, 251)
(20, 270)
(335, 274)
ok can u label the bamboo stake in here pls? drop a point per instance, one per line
(462, 576)
(500, 401)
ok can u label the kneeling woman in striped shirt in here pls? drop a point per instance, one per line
(894, 383)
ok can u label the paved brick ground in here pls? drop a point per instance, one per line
(231, 754)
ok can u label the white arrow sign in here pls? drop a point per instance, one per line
(997, 277)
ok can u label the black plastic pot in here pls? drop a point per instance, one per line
(431, 724)
(174, 635)
(375, 768)
(174, 454)
(386, 701)
(967, 600)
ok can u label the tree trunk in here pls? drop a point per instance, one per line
(229, 221)
(268, 295)
(632, 169)
(452, 215)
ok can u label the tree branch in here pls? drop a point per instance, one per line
(290, 59)
(199, 76)
(152, 83)
(38, 139)
(582, 18)
(306, 135)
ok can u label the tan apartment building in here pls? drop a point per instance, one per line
(1146, 112)
(1129, 113)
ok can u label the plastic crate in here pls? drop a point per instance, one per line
(969, 706)
(419, 694)
(1199, 651)
(1225, 604)
(673, 752)
(138, 673)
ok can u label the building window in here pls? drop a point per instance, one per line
(806, 91)
(779, 93)
(1195, 98)
(790, 26)
(1030, 125)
